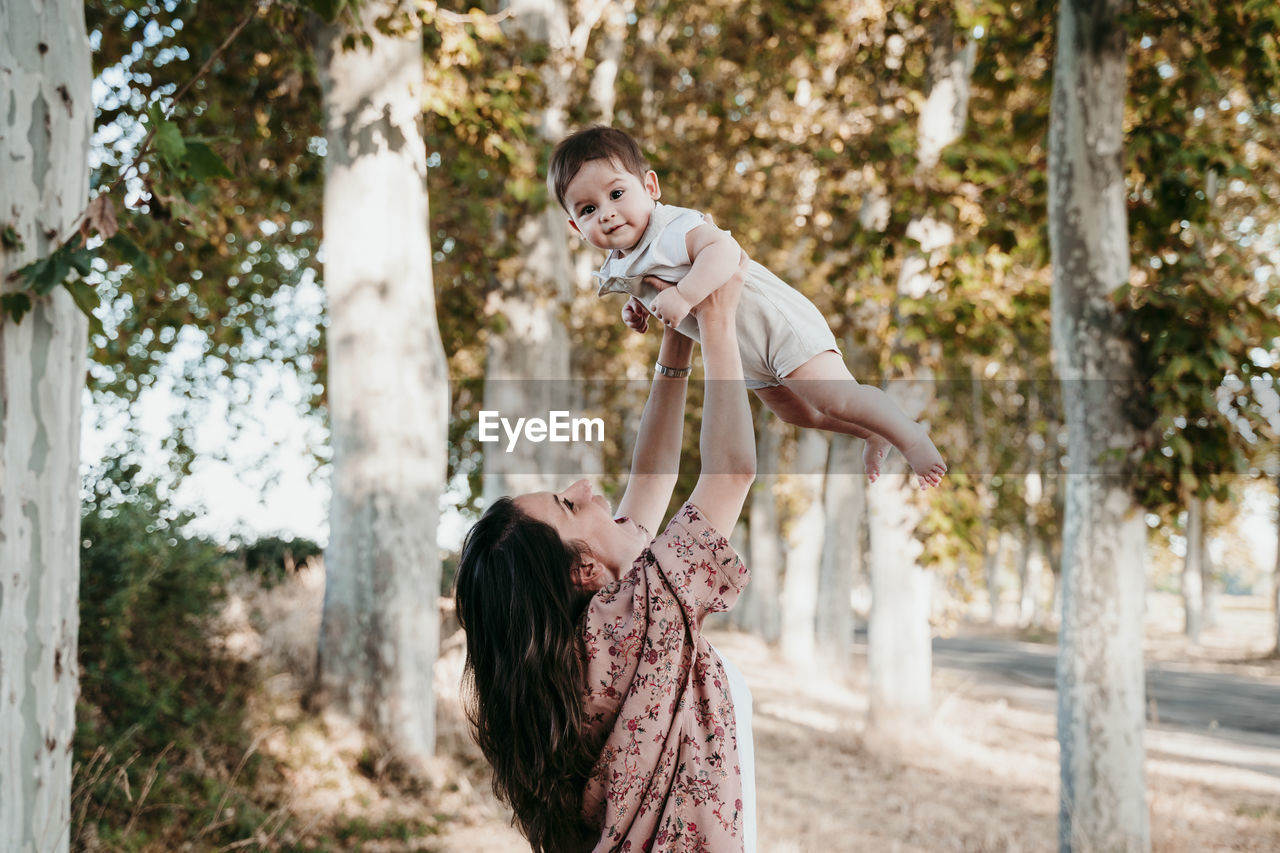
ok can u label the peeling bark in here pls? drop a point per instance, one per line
(527, 360)
(44, 187)
(757, 610)
(1193, 588)
(1275, 575)
(842, 554)
(1100, 672)
(900, 660)
(1031, 558)
(804, 550)
(388, 396)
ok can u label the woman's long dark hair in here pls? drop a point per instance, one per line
(523, 686)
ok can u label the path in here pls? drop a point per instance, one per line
(1176, 695)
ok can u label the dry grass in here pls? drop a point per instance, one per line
(982, 777)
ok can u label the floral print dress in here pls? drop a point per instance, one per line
(658, 699)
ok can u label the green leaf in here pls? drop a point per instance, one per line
(131, 253)
(11, 239)
(170, 144)
(44, 274)
(327, 9)
(86, 298)
(204, 163)
(14, 305)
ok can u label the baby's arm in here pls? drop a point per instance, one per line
(714, 255)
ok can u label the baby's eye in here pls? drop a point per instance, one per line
(615, 195)
(587, 211)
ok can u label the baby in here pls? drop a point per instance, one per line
(789, 355)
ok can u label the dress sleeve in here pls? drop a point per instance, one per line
(699, 564)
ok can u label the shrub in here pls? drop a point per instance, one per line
(161, 713)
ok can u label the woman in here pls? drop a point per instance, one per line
(608, 718)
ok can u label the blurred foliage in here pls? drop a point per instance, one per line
(273, 559)
(158, 706)
(218, 216)
(785, 121)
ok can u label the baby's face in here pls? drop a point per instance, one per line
(609, 206)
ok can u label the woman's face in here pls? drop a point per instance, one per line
(579, 515)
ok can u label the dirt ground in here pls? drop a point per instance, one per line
(983, 776)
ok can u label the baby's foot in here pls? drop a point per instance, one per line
(924, 458)
(873, 454)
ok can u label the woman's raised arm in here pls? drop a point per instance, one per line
(727, 440)
(655, 463)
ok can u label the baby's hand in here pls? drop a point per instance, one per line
(671, 307)
(635, 316)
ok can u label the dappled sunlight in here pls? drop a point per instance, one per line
(982, 777)
(332, 782)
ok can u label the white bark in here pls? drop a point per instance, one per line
(804, 549)
(992, 557)
(388, 395)
(1208, 588)
(1033, 603)
(992, 540)
(1100, 671)
(846, 508)
(942, 120)
(900, 658)
(613, 43)
(47, 115)
(1031, 557)
(899, 650)
(527, 368)
(943, 116)
(1193, 571)
(1275, 575)
(757, 609)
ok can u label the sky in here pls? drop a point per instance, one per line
(263, 478)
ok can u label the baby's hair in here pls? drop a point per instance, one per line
(592, 143)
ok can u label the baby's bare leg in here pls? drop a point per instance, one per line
(792, 409)
(826, 384)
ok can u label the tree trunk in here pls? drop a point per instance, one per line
(1275, 575)
(1100, 672)
(991, 560)
(899, 651)
(527, 365)
(1208, 586)
(388, 394)
(1193, 571)
(613, 29)
(1031, 558)
(898, 642)
(804, 550)
(44, 186)
(757, 609)
(992, 545)
(846, 508)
